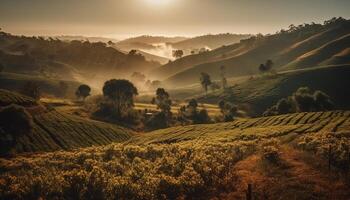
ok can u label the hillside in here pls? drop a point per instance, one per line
(218, 160)
(299, 47)
(36, 55)
(47, 85)
(53, 130)
(262, 92)
(209, 41)
(291, 126)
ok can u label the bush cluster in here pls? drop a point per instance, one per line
(303, 100)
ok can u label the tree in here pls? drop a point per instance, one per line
(178, 53)
(15, 120)
(132, 52)
(266, 67)
(269, 64)
(223, 78)
(31, 89)
(163, 102)
(228, 110)
(121, 93)
(205, 81)
(83, 91)
(303, 100)
(191, 113)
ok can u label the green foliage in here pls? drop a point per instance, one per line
(121, 93)
(303, 100)
(163, 101)
(228, 110)
(190, 113)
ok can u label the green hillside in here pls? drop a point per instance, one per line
(261, 92)
(315, 42)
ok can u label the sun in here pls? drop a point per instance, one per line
(158, 2)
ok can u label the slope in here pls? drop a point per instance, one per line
(209, 41)
(53, 130)
(283, 48)
(262, 92)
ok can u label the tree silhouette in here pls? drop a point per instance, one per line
(162, 100)
(266, 67)
(205, 81)
(178, 53)
(223, 78)
(122, 93)
(83, 91)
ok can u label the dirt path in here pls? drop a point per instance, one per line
(296, 176)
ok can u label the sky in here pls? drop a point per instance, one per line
(125, 18)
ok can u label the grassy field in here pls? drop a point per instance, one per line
(283, 157)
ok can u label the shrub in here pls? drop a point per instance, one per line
(15, 120)
(303, 100)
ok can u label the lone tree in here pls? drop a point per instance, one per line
(205, 81)
(31, 89)
(162, 100)
(223, 77)
(121, 93)
(266, 67)
(83, 91)
(178, 53)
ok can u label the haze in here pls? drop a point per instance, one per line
(125, 18)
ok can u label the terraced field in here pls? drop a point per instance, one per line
(7, 98)
(291, 125)
(57, 131)
(282, 157)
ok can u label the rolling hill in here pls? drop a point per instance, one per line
(299, 47)
(48, 86)
(292, 126)
(54, 131)
(261, 92)
(36, 55)
(209, 41)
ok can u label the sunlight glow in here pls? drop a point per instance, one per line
(159, 2)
